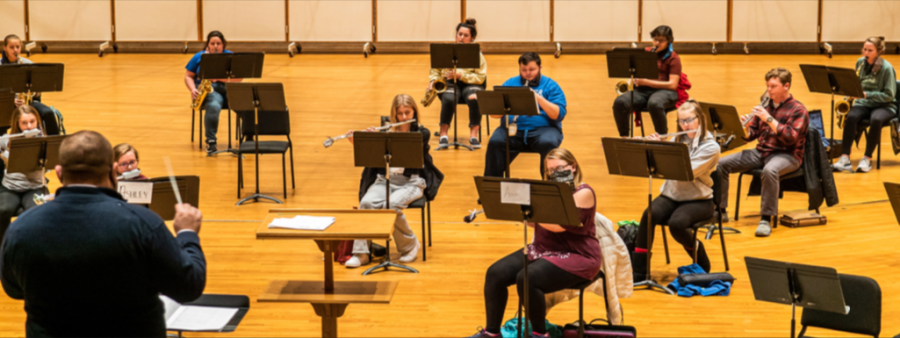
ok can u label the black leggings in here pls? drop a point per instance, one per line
(679, 216)
(447, 103)
(878, 118)
(657, 101)
(543, 277)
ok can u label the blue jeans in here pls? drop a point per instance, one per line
(214, 102)
(541, 140)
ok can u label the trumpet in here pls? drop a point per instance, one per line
(438, 87)
(842, 108)
(204, 89)
(623, 86)
(331, 140)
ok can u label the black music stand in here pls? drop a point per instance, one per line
(7, 107)
(807, 286)
(632, 63)
(455, 55)
(38, 153)
(230, 66)
(651, 159)
(253, 97)
(893, 191)
(551, 202)
(32, 78)
(507, 100)
(725, 123)
(377, 149)
(834, 81)
(164, 199)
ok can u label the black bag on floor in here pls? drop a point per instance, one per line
(628, 232)
(600, 330)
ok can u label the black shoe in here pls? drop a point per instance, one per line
(639, 266)
(702, 258)
(724, 216)
(210, 148)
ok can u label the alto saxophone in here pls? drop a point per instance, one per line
(204, 89)
(842, 107)
(439, 87)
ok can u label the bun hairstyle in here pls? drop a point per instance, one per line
(470, 24)
(216, 34)
(878, 42)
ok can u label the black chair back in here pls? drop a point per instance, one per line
(717, 187)
(863, 295)
(270, 123)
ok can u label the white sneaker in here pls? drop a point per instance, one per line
(865, 164)
(410, 256)
(356, 261)
(843, 164)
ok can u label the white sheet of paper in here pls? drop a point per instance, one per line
(170, 305)
(301, 222)
(200, 318)
(515, 193)
(136, 192)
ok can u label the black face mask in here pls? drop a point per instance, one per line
(533, 84)
(564, 176)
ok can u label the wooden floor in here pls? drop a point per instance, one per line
(141, 99)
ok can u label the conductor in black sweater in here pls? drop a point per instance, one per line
(90, 264)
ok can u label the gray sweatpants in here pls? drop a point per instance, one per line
(403, 192)
(774, 167)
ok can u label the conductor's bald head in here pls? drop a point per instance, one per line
(86, 157)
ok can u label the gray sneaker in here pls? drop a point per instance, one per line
(764, 229)
(842, 164)
(444, 141)
(474, 143)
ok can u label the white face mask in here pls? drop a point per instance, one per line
(130, 174)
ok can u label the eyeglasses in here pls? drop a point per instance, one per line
(128, 164)
(687, 121)
(562, 167)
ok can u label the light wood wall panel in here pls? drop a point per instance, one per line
(12, 17)
(70, 20)
(612, 20)
(523, 20)
(245, 20)
(327, 20)
(767, 20)
(154, 20)
(426, 20)
(856, 20)
(691, 20)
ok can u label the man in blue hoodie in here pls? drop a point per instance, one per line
(536, 133)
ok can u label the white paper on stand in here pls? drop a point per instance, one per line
(301, 222)
(195, 318)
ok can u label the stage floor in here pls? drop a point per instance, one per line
(142, 100)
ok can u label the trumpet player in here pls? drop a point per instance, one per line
(12, 46)
(877, 78)
(780, 127)
(215, 100)
(407, 185)
(657, 95)
(470, 80)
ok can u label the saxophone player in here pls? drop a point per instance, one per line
(12, 47)
(216, 99)
(877, 78)
(470, 81)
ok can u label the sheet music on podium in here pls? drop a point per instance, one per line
(301, 222)
(195, 318)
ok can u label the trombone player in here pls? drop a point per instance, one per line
(470, 81)
(877, 78)
(210, 95)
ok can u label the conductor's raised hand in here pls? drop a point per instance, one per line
(187, 218)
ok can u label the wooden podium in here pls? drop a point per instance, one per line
(329, 298)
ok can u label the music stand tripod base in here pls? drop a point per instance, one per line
(455, 144)
(387, 263)
(712, 228)
(650, 284)
(256, 197)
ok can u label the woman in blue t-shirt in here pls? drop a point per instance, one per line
(217, 98)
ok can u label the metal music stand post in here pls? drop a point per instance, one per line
(650, 159)
(377, 149)
(550, 202)
(256, 97)
(725, 123)
(507, 101)
(632, 63)
(230, 66)
(807, 286)
(833, 81)
(455, 55)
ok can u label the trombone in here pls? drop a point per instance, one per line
(331, 140)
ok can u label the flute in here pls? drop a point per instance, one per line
(331, 140)
(670, 135)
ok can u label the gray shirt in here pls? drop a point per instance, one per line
(704, 159)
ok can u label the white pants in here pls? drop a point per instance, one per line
(403, 192)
